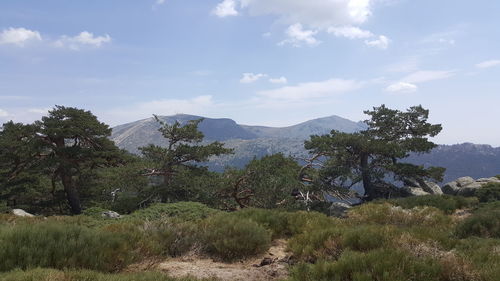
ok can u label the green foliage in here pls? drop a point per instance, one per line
(481, 224)
(62, 246)
(274, 220)
(446, 203)
(488, 193)
(387, 214)
(264, 183)
(67, 146)
(366, 237)
(184, 150)
(85, 275)
(183, 211)
(381, 264)
(231, 238)
(483, 254)
(373, 155)
(322, 243)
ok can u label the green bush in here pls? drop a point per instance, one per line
(183, 211)
(318, 244)
(62, 246)
(230, 238)
(367, 237)
(301, 221)
(374, 213)
(481, 224)
(84, 275)
(171, 238)
(94, 212)
(381, 265)
(273, 220)
(489, 193)
(446, 203)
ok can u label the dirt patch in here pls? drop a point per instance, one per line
(461, 214)
(268, 267)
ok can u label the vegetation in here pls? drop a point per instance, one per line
(172, 206)
(373, 155)
(230, 238)
(445, 203)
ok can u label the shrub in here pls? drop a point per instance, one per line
(84, 275)
(484, 254)
(273, 220)
(366, 237)
(387, 214)
(489, 192)
(317, 244)
(184, 211)
(446, 203)
(230, 238)
(62, 246)
(301, 221)
(172, 239)
(381, 265)
(482, 224)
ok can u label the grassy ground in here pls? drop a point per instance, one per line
(407, 239)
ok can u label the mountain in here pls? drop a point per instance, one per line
(256, 141)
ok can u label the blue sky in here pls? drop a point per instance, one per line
(265, 62)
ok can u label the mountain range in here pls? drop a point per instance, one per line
(256, 141)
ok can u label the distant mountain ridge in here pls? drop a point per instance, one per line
(256, 141)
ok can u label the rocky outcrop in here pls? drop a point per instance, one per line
(421, 187)
(467, 186)
(111, 215)
(21, 213)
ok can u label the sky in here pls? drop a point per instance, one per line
(259, 62)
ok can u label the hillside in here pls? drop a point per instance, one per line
(256, 141)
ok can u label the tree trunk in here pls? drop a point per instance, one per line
(367, 181)
(71, 194)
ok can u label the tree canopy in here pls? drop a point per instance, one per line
(374, 156)
(65, 145)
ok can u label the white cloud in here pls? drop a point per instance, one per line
(251, 77)
(225, 8)
(3, 113)
(382, 42)
(281, 80)
(315, 13)
(19, 36)
(488, 64)
(350, 32)
(428, 75)
(402, 87)
(85, 38)
(297, 36)
(305, 91)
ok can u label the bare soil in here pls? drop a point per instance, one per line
(248, 270)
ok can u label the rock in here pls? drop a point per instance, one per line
(450, 188)
(21, 213)
(431, 188)
(470, 189)
(415, 191)
(463, 181)
(339, 209)
(264, 262)
(110, 215)
(488, 180)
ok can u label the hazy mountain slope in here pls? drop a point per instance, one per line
(143, 132)
(466, 159)
(318, 126)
